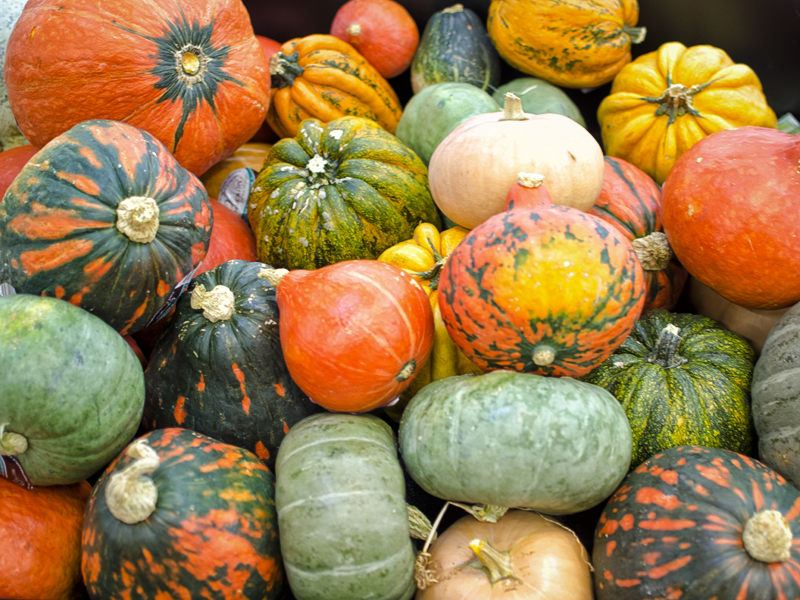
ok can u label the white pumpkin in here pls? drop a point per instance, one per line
(10, 135)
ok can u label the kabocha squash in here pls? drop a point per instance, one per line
(539, 96)
(342, 515)
(322, 77)
(578, 44)
(339, 191)
(72, 391)
(106, 219)
(697, 523)
(665, 101)
(556, 445)
(194, 76)
(218, 368)
(455, 46)
(181, 515)
(683, 379)
(550, 290)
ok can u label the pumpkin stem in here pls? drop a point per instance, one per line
(653, 251)
(419, 525)
(543, 355)
(530, 180)
(273, 276)
(130, 495)
(665, 352)
(767, 537)
(676, 100)
(512, 108)
(284, 69)
(637, 34)
(137, 218)
(354, 29)
(454, 8)
(424, 566)
(11, 444)
(486, 513)
(217, 304)
(495, 562)
(407, 370)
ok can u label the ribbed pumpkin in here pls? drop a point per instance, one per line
(683, 379)
(322, 77)
(551, 290)
(665, 101)
(696, 523)
(181, 515)
(338, 191)
(193, 75)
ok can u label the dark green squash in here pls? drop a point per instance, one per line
(683, 379)
(218, 368)
(539, 97)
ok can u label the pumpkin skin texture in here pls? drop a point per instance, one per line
(192, 76)
(674, 528)
(10, 135)
(549, 290)
(340, 498)
(724, 212)
(11, 163)
(211, 531)
(106, 219)
(683, 379)
(78, 403)
(231, 239)
(41, 532)
(218, 369)
(342, 191)
(573, 44)
(555, 445)
(665, 101)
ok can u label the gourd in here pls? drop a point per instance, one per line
(539, 96)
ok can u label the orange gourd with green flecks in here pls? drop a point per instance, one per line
(106, 219)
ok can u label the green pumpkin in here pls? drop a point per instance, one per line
(683, 379)
(339, 191)
(340, 496)
(539, 97)
(555, 445)
(71, 390)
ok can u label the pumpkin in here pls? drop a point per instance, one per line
(468, 438)
(340, 498)
(179, 514)
(528, 192)
(218, 368)
(231, 238)
(697, 523)
(665, 101)
(73, 391)
(725, 217)
(41, 532)
(11, 163)
(538, 96)
(354, 334)
(455, 47)
(265, 134)
(382, 31)
(322, 77)
(106, 219)
(522, 556)
(473, 168)
(340, 191)
(550, 290)
(250, 155)
(192, 76)
(10, 135)
(578, 44)
(683, 379)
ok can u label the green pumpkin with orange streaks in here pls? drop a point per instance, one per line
(211, 534)
(549, 290)
(104, 217)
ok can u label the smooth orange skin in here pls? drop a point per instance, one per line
(11, 163)
(41, 533)
(231, 238)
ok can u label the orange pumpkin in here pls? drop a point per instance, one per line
(11, 163)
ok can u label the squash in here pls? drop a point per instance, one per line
(550, 290)
(231, 239)
(340, 191)
(10, 135)
(580, 44)
(470, 438)
(106, 219)
(665, 101)
(250, 155)
(179, 514)
(697, 523)
(725, 216)
(539, 96)
(218, 369)
(340, 498)
(528, 192)
(11, 163)
(683, 379)
(322, 77)
(354, 334)
(382, 31)
(455, 46)
(473, 168)
(73, 391)
(522, 556)
(192, 76)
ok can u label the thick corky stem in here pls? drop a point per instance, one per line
(653, 251)
(130, 494)
(11, 444)
(273, 276)
(217, 305)
(512, 109)
(137, 218)
(767, 537)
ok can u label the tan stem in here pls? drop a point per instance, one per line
(543, 355)
(217, 304)
(354, 29)
(130, 494)
(454, 8)
(767, 537)
(512, 108)
(419, 525)
(653, 251)
(496, 563)
(11, 444)
(273, 276)
(137, 218)
(530, 180)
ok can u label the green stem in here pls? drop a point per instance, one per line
(497, 564)
(284, 69)
(636, 34)
(11, 444)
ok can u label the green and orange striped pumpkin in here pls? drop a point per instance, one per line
(105, 218)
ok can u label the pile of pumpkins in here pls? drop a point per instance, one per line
(252, 307)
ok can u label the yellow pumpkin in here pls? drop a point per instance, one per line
(250, 155)
(667, 100)
(579, 44)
